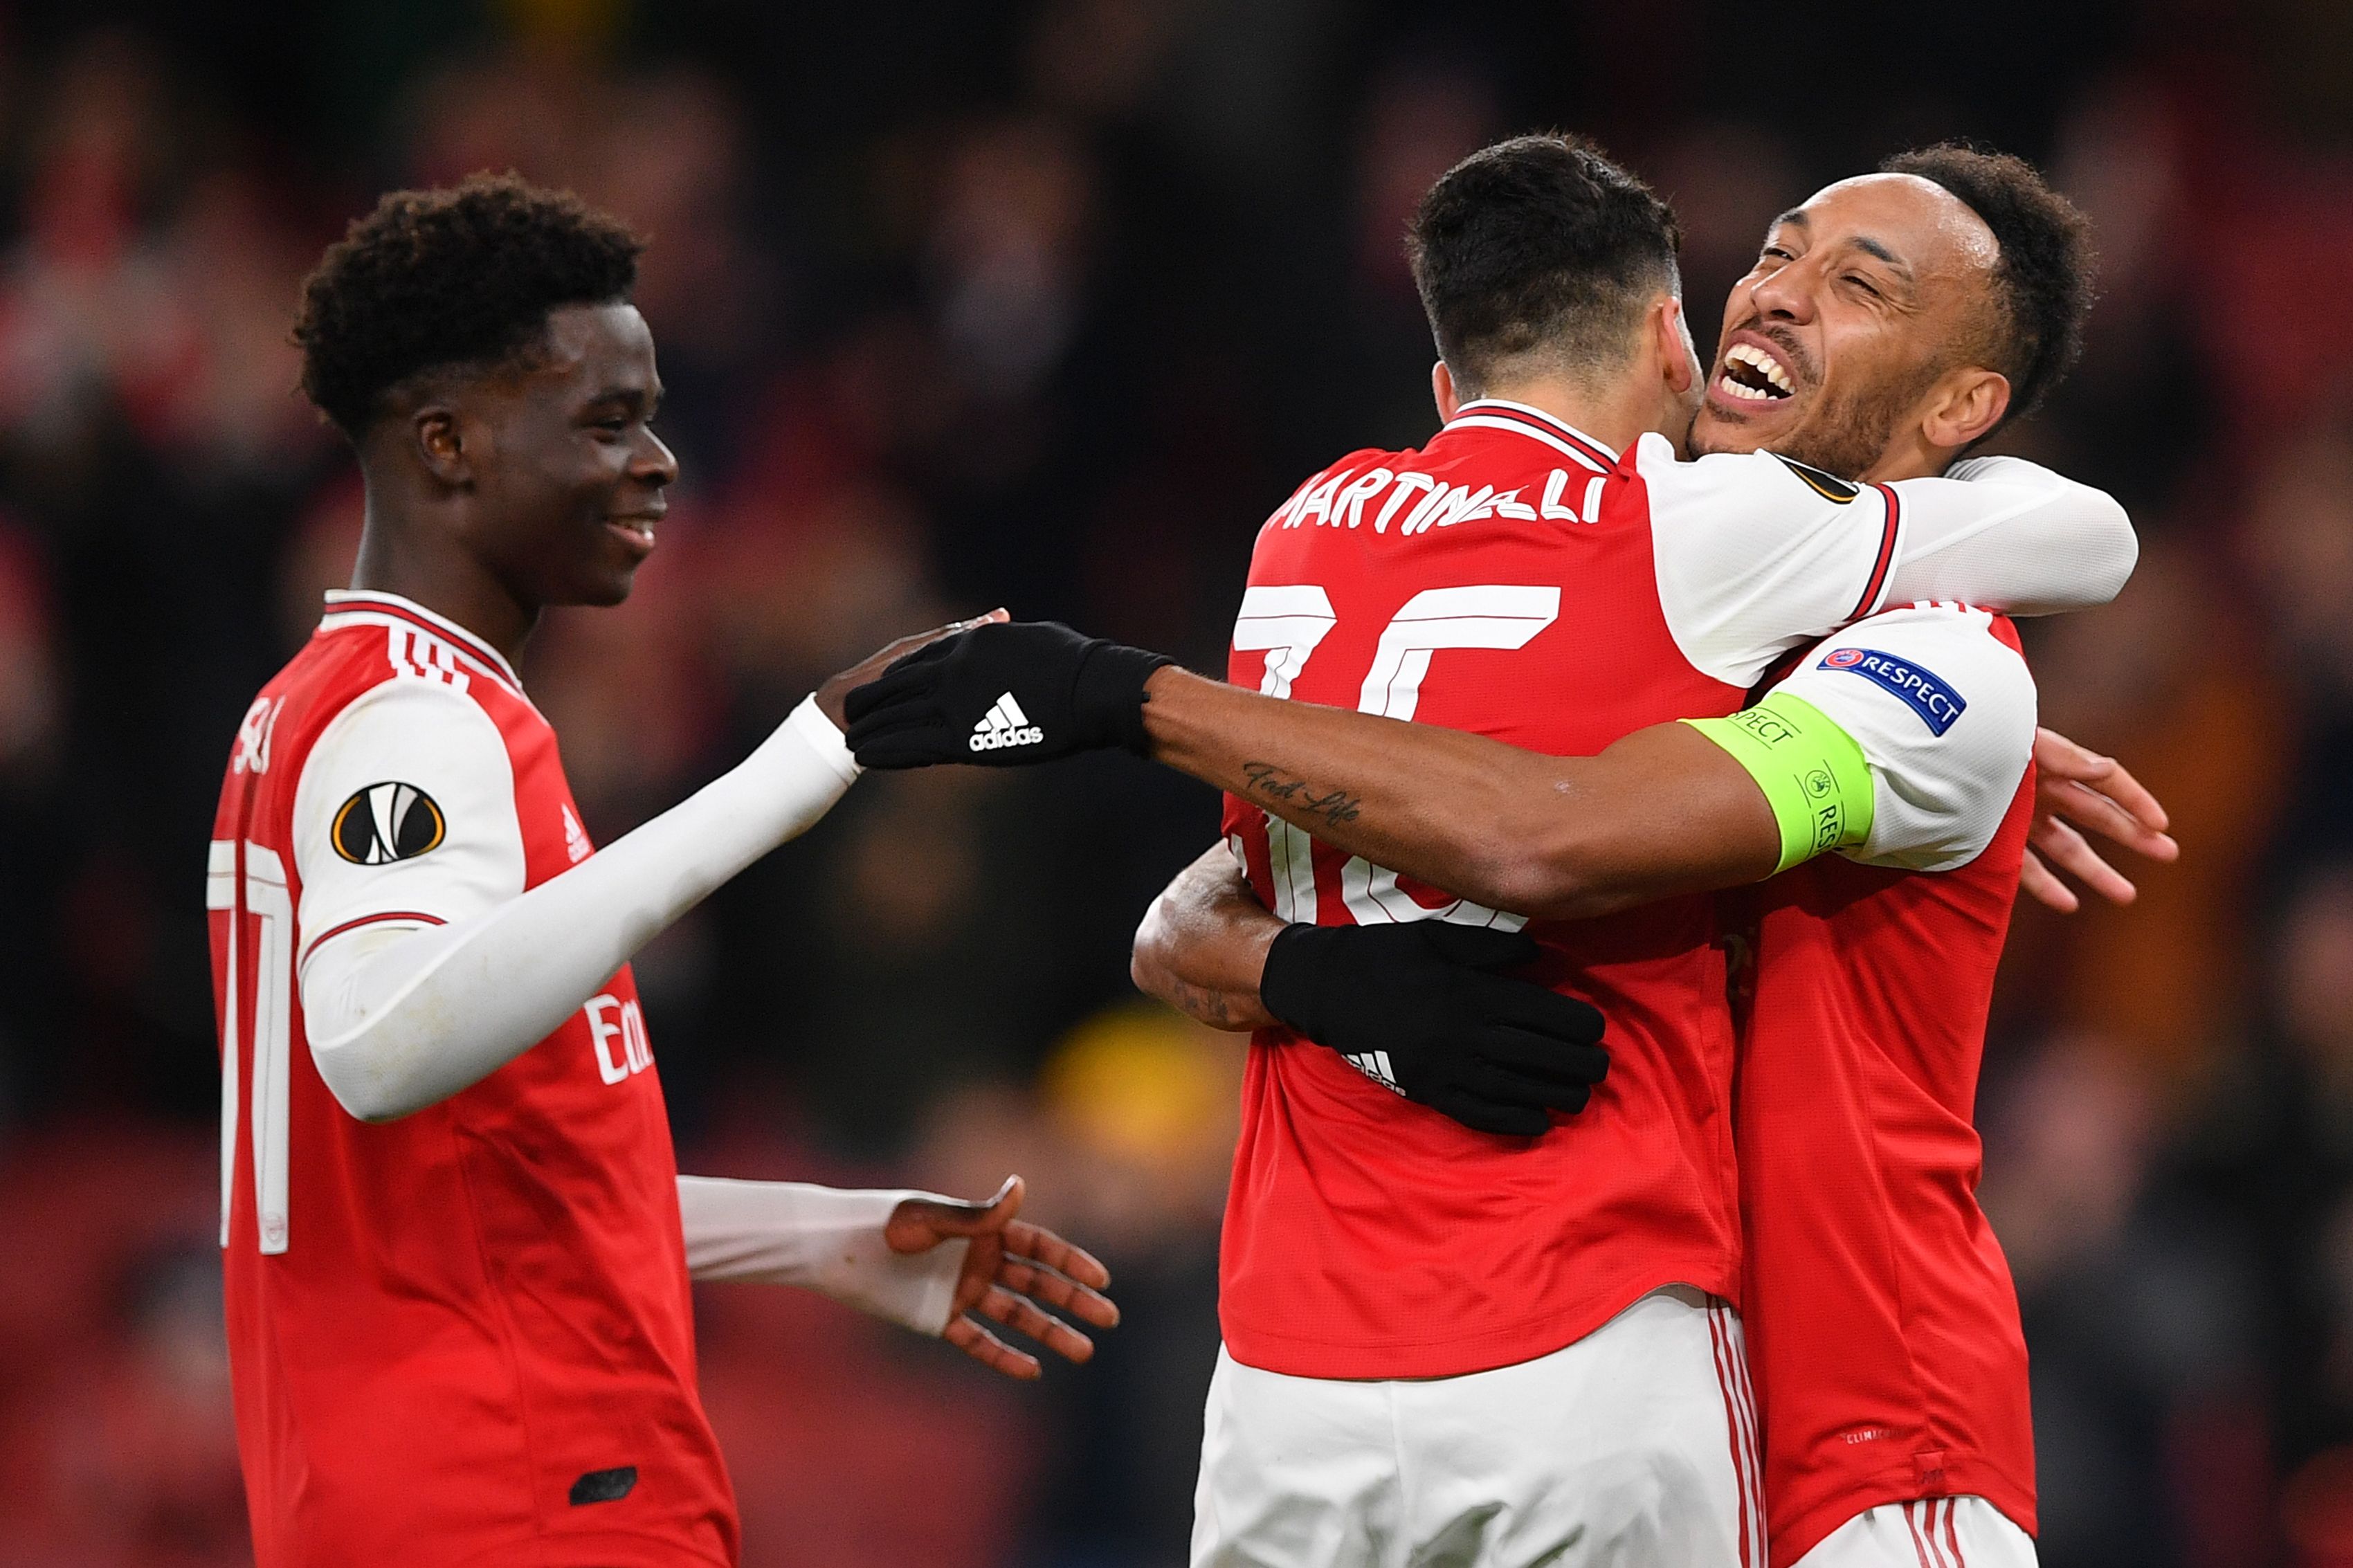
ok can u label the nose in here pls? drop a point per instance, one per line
(654, 463)
(1787, 294)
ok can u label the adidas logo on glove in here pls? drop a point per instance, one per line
(1004, 725)
(1375, 1065)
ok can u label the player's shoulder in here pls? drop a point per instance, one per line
(1506, 435)
(404, 754)
(1314, 493)
(381, 675)
(1941, 660)
(370, 650)
(1706, 485)
(412, 642)
(1939, 623)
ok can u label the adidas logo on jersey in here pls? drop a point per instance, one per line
(575, 837)
(1004, 725)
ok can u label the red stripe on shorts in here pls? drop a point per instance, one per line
(1731, 1426)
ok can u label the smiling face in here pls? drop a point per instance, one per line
(1866, 308)
(568, 477)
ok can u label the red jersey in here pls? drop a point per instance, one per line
(463, 1336)
(1515, 579)
(1884, 1332)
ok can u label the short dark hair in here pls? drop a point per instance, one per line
(462, 275)
(2044, 281)
(1539, 245)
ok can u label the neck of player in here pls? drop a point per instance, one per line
(426, 562)
(1616, 416)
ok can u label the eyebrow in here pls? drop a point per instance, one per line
(1863, 242)
(1871, 247)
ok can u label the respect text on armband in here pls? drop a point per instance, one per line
(1830, 822)
(1768, 727)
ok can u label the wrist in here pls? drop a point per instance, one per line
(1174, 720)
(1113, 683)
(1291, 977)
(822, 731)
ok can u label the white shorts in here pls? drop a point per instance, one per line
(1633, 1448)
(1928, 1532)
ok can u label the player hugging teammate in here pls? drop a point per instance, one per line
(1486, 1274)
(1633, 658)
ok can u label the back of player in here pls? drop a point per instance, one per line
(1499, 581)
(1883, 1328)
(1515, 579)
(464, 1335)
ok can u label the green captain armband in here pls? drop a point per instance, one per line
(1812, 772)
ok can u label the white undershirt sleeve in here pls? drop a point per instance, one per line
(401, 1019)
(1755, 554)
(825, 1239)
(2011, 536)
(1944, 712)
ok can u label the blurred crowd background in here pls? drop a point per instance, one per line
(1047, 305)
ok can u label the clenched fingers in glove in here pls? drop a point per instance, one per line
(1420, 1008)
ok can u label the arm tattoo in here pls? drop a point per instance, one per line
(1201, 1004)
(1269, 782)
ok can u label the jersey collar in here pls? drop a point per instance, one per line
(1501, 414)
(347, 606)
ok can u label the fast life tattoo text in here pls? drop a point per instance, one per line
(1271, 782)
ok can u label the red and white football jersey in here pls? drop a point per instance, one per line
(1515, 579)
(464, 1336)
(1883, 1334)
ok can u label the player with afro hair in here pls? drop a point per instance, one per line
(457, 1247)
(460, 275)
(477, 345)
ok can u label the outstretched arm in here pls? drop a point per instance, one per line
(1900, 742)
(1663, 811)
(407, 1010)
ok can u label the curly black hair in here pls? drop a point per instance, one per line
(463, 274)
(1538, 246)
(2044, 281)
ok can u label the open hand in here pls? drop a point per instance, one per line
(1003, 696)
(1010, 1267)
(2077, 788)
(836, 691)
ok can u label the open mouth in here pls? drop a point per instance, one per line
(638, 532)
(1753, 376)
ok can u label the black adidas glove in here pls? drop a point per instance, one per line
(1003, 696)
(1411, 1006)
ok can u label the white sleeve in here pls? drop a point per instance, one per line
(399, 1018)
(1755, 554)
(2012, 536)
(404, 815)
(1944, 711)
(825, 1239)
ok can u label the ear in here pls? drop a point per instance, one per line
(441, 447)
(1670, 339)
(1441, 390)
(1963, 406)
